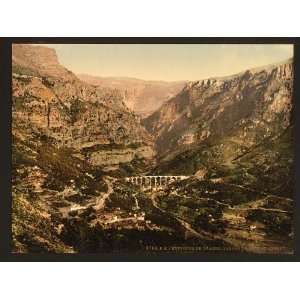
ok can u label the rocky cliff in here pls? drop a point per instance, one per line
(39, 61)
(248, 107)
(51, 101)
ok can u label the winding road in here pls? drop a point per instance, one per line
(100, 201)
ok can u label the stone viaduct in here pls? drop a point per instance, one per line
(153, 181)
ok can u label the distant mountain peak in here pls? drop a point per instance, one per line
(141, 96)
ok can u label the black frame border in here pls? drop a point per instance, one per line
(5, 157)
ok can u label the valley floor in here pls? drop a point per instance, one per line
(190, 215)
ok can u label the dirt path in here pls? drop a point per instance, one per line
(100, 201)
(97, 202)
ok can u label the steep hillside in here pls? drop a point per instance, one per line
(50, 101)
(143, 97)
(67, 136)
(235, 136)
(238, 128)
(243, 109)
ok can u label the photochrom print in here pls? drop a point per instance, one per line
(152, 148)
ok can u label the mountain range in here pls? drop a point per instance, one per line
(218, 124)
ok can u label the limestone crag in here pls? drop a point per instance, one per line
(50, 101)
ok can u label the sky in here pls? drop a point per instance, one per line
(168, 62)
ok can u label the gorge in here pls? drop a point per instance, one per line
(77, 141)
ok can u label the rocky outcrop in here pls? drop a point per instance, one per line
(38, 60)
